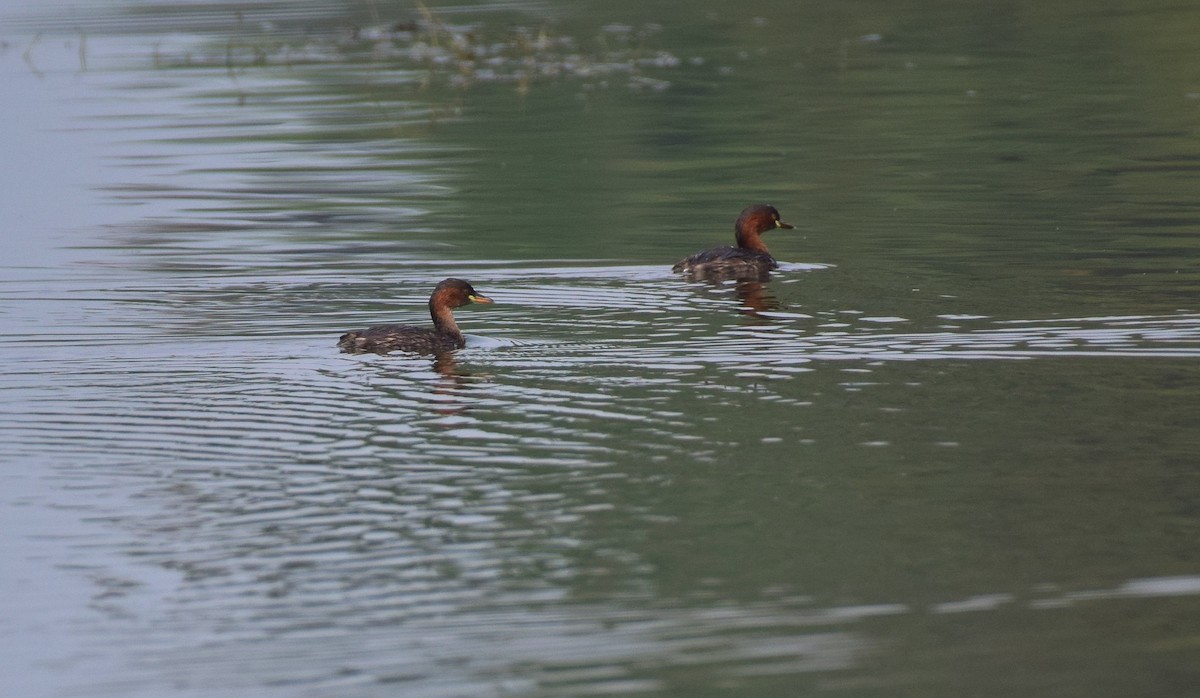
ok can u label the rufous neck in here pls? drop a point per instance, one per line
(751, 241)
(443, 320)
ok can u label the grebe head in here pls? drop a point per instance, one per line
(758, 219)
(455, 293)
(754, 221)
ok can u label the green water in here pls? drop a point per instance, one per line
(948, 449)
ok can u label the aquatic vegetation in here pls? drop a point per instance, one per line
(456, 56)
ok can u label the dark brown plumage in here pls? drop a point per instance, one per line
(442, 337)
(751, 256)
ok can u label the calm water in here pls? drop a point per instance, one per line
(949, 449)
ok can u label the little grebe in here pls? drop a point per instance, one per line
(750, 258)
(442, 337)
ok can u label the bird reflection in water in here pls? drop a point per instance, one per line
(755, 298)
(753, 294)
(433, 385)
(448, 395)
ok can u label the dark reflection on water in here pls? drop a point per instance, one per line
(946, 450)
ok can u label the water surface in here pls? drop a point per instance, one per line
(949, 448)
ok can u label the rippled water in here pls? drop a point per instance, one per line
(948, 449)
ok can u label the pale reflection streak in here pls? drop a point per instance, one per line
(684, 342)
(585, 649)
